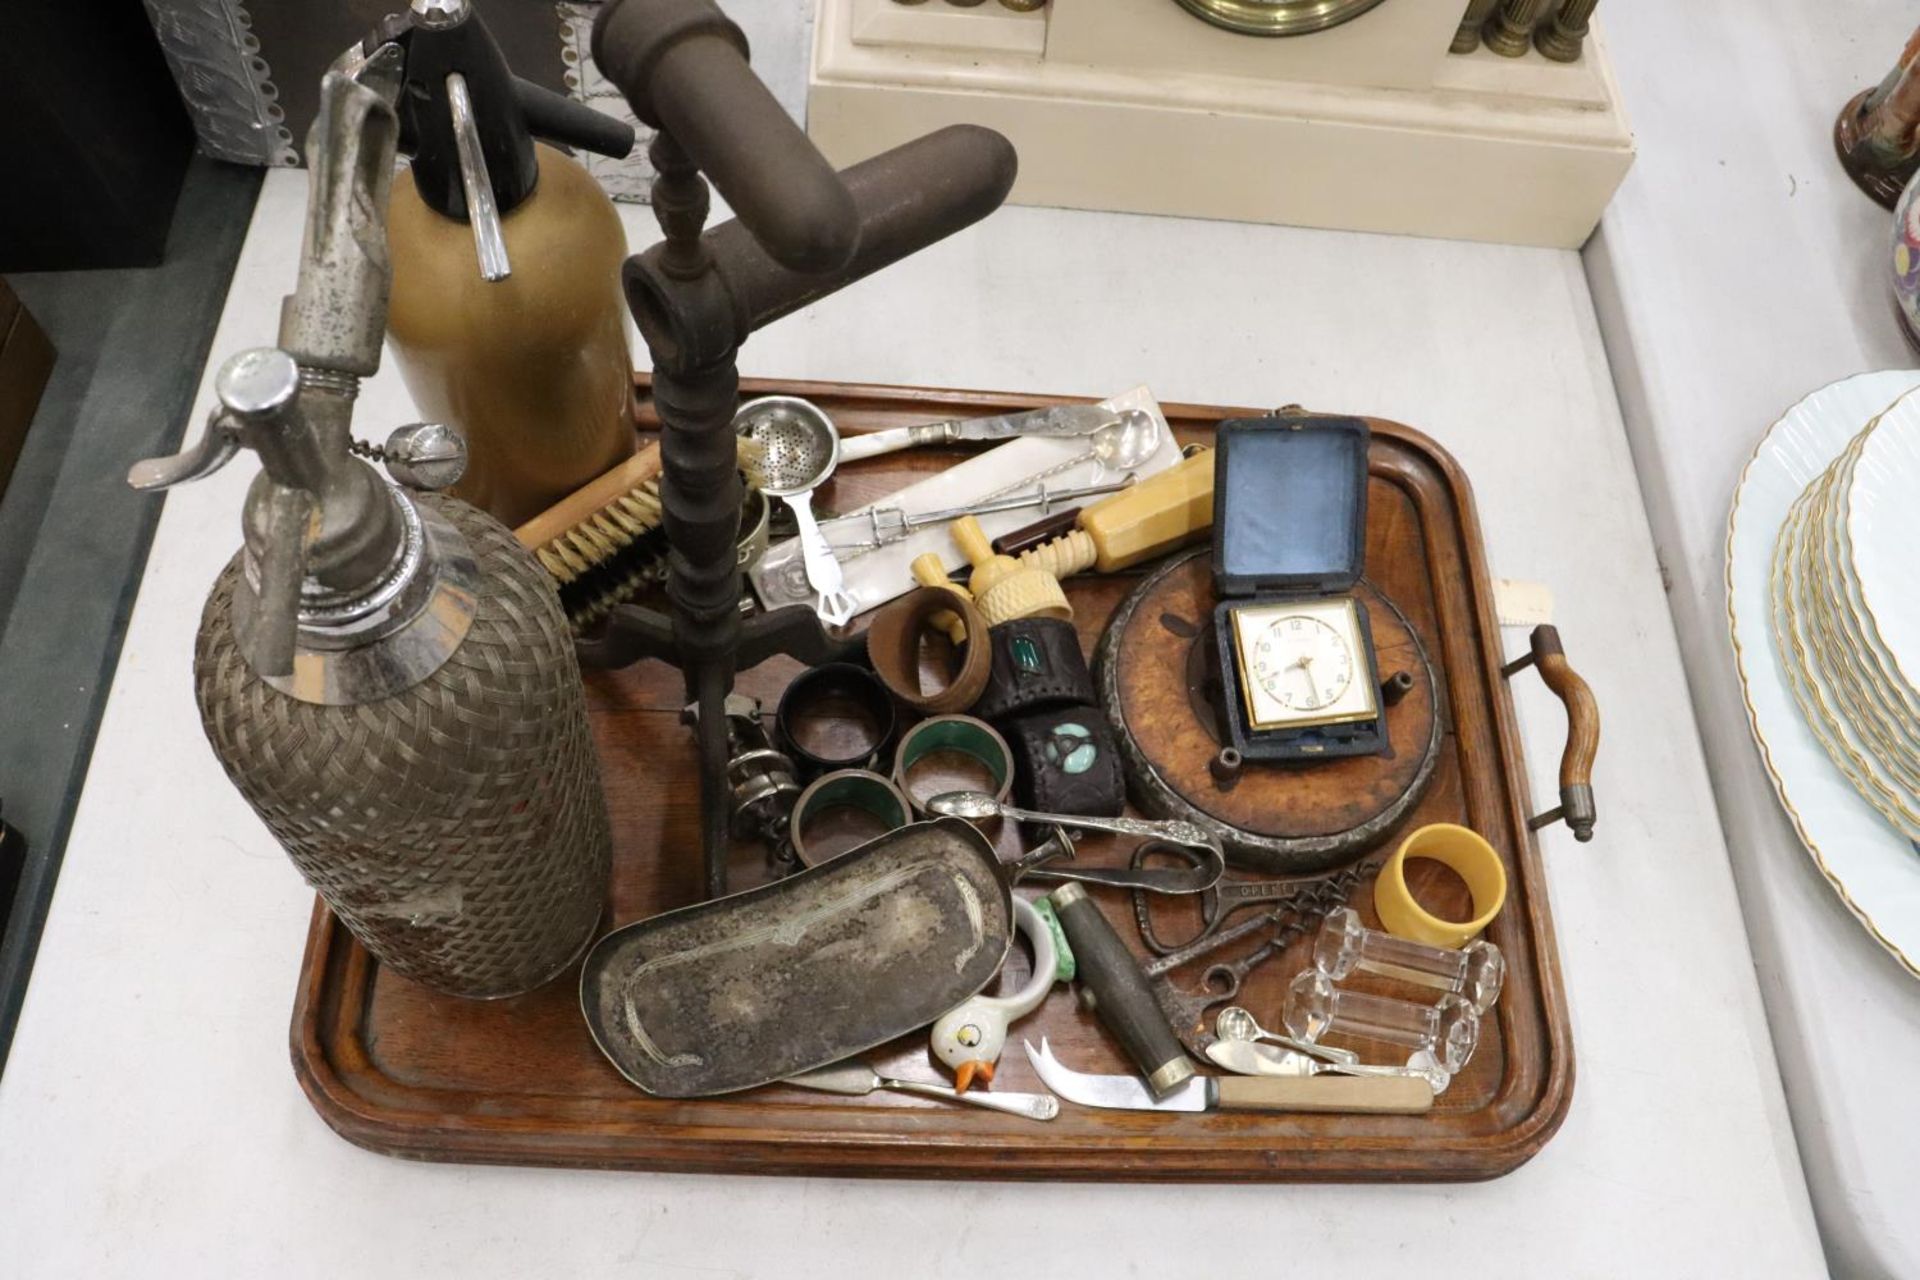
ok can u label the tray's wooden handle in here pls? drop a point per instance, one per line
(1583, 732)
(1380, 1095)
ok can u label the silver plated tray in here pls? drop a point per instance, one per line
(756, 986)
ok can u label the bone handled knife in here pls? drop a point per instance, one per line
(1378, 1095)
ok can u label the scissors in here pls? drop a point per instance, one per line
(1217, 903)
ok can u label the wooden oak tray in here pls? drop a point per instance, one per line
(397, 1069)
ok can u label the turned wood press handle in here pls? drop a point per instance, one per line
(683, 68)
(1583, 732)
(904, 200)
(1111, 980)
(1379, 1095)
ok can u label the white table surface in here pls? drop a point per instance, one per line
(1739, 269)
(149, 1121)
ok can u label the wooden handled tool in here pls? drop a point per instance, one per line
(1112, 982)
(1378, 1095)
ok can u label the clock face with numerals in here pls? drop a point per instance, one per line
(1302, 663)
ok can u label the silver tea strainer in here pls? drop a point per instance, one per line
(801, 448)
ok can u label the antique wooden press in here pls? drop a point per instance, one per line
(801, 232)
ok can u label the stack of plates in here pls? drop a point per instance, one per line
(1845, 615)
(1823, 596)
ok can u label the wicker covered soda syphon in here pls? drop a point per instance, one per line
(384, 673)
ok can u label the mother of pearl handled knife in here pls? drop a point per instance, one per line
(1060, 420)
(1380, 1095)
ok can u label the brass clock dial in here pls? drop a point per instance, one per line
(1303, 663)
(1277, 17)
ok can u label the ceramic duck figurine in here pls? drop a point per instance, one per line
(970, 1037)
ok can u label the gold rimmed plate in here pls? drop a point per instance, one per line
(1873, 869)
(1879, 525)
(1818, 703)
(1844, 649)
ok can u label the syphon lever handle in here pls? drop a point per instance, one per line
(476, 183)
(215, 450)
(1583, 732)
(257, 389)
(259, 392)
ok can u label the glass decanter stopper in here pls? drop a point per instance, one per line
(1316, 1008)
(1474, 971)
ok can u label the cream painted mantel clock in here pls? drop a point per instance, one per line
(1374, 115)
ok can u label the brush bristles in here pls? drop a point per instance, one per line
(604, 534)
(598, 561)
(585, 613)
(622, 522)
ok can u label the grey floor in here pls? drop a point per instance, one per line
(73, 537)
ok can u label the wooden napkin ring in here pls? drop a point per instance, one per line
(893, 646)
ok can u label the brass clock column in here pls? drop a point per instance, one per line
(1561, 37)
(1512, 33)
(1467, 38)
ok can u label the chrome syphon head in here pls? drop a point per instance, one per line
(351, 590)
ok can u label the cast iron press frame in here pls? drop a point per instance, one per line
(802, 232)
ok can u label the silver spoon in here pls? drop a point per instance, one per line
(975, 805)
(1127, 443)
(801, 448)
(1236, 1023)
